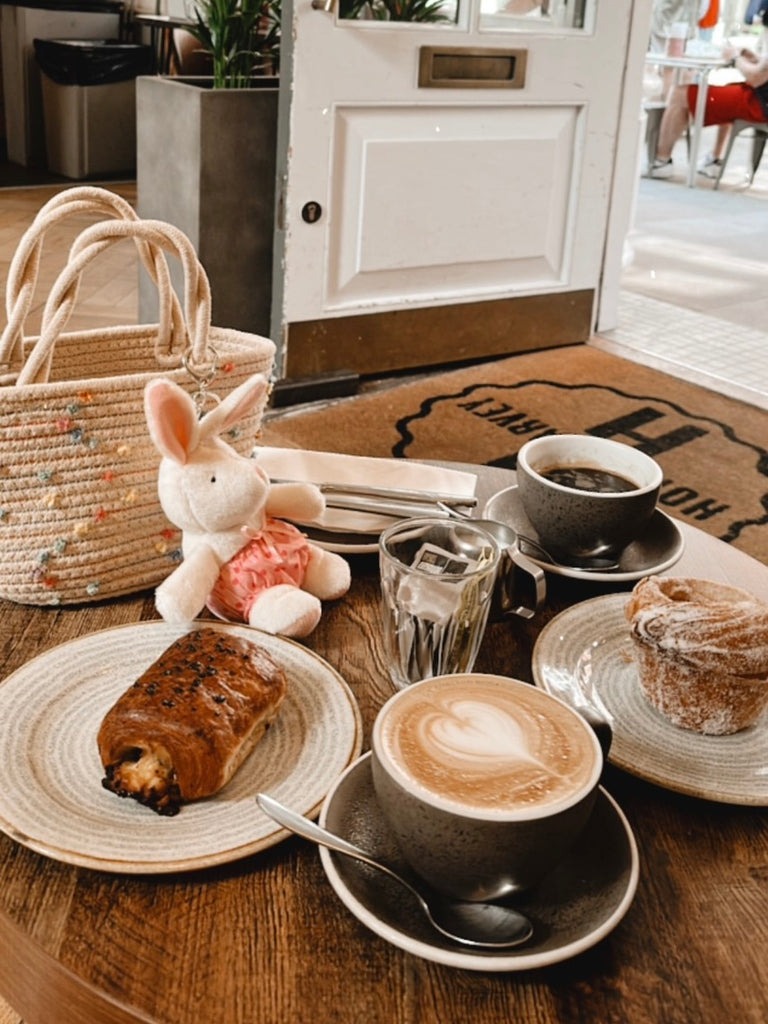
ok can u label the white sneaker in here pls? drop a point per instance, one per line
(711, 169)
(661, 169)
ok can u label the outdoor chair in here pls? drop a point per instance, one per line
(760, 130)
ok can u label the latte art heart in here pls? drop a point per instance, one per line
(481, 743)
(473, 731)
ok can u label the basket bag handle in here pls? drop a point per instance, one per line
(25, 265)
(159, 238)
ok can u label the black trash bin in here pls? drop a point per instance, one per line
(92, 61)
(89, 103)
(22, 21)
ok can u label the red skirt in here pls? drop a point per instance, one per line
(726, 103)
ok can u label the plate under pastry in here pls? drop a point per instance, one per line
(51, 797)
(585, 653)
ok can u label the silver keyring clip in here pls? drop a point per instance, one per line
(202, 376)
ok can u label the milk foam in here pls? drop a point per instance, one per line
(474, 731)
(488, 743)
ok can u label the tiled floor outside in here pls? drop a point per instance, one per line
(694, 299)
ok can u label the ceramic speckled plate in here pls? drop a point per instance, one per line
(343, 543)
(349, 530)
(51, 797)
(586, 652)
(571, 910)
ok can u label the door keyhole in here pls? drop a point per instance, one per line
(311, 212)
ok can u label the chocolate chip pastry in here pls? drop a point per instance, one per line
(182, 730)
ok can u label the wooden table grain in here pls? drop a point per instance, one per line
(265, 940)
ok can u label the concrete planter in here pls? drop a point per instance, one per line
(205, 161)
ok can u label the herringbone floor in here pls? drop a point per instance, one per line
(108, 294)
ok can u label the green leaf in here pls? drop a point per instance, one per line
(242, 36)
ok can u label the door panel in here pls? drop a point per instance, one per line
(444, 195)
(411, 214)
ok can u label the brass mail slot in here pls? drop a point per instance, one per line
(457, 67)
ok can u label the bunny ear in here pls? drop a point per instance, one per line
(234, 407)
(172, 420)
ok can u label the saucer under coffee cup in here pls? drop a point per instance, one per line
(586, 497)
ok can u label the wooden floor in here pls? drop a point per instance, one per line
(109, 290)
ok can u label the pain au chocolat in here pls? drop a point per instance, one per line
(702, 652)
(181, 731)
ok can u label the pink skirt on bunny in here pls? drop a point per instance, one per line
(278, 554)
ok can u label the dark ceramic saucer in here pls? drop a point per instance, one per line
(572, 909)
(657, 548)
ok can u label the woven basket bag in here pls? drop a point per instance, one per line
(80, 519)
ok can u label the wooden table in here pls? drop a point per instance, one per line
(266, 941)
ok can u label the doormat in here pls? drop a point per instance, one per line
(711, 448)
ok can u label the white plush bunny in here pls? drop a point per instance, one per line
(239, 559)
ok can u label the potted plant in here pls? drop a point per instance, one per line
(242, 37)
(396, 10)
(206, 149)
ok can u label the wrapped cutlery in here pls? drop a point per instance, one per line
(363, 493)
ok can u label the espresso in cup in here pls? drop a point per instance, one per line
(486, 781)
(588, 478)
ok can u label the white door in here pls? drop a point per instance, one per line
(445, 187)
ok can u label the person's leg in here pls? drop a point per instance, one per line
(723, 131)
(674, 122)
(710, 163)
(725, 104)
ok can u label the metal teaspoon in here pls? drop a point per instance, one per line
(589, 563)
(482, 925)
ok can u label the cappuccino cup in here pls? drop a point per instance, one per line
(585, 496)
(486, 781)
